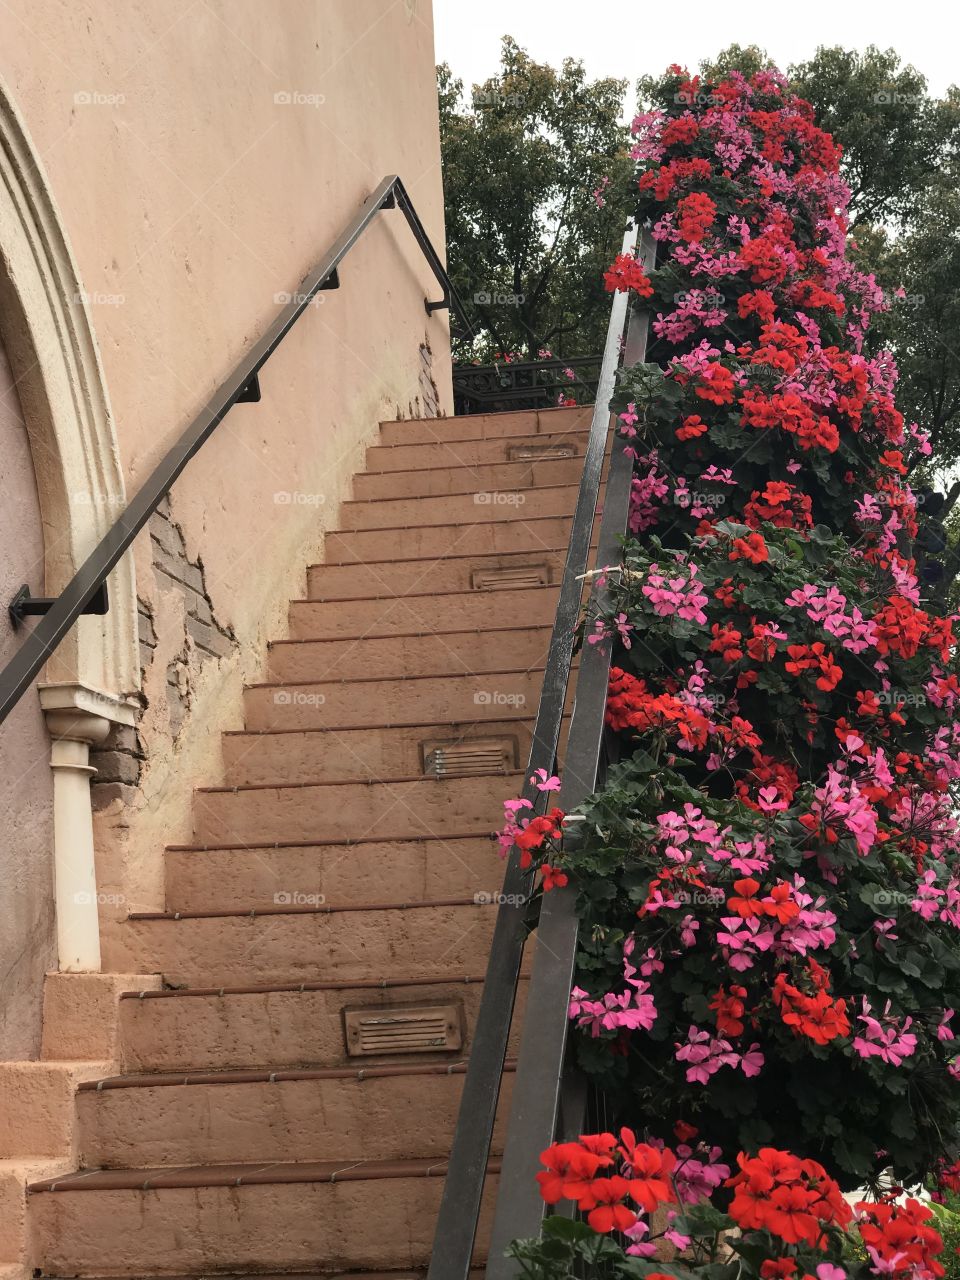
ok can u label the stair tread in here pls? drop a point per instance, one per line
(290, 910)
(309, 844)
(300, 786)
(176, 1079)
(380, 679)
(329, 984)
(250, 1175)
(460, 493)
(537, 436)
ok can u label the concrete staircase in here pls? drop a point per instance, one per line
(289, 1090)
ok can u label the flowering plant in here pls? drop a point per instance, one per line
(769, 882)
(673, 1214)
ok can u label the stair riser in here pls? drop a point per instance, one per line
(458, 652)
(486, 426)
(480, 506)
(378, 1223)
(279, 1029)
(355, 754)
(351, 811)
(501, 477)
(339, 874)
(398, 1117)
(343, 582)
(377, 702)
(423, 614)
(352, 945)
(461, 539)
(467, 453)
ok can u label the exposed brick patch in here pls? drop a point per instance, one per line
(179, 691)
(202, 632)
(429, 394)
(147, 634)
(118, 762)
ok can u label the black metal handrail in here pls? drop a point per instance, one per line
(522, 384)
(536, 1091)
(240, 385)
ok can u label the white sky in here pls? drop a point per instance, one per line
(627, 38)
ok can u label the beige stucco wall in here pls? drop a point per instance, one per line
(27, 943)
(202, 156)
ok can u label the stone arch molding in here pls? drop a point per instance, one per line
(56, 365)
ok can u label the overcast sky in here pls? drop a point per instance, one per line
(625, 38)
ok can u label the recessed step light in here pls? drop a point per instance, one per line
(531, 575)
(461, 758)
(522, 452)
(380, 1029)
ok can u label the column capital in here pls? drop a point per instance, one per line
(76, 712)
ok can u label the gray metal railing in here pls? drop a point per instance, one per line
(536, 1095)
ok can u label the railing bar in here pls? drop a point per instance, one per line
(463, 1185)
(539, 1076)
(19, 673)
(450, 295)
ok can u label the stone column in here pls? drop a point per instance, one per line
(77, 718)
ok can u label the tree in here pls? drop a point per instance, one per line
(896, 138)
(527, 237)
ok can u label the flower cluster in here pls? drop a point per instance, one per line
(777, 852)
(783, 1216)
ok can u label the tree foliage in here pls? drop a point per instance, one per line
(527, 240)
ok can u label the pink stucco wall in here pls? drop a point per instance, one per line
(202, 157)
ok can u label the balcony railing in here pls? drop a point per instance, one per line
(534, 384)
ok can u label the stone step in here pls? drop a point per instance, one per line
(262, 1216)
(487, 426)
(467, 478)
(400, 1112)
(460, 538)
(340, 754)
(456, 652)
(308, 942)
(467, 453)
(419, 615)
(372, 702)
(395, 809)
(485, 574)
(477, 506)
(268, 876)
(282, 1025)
